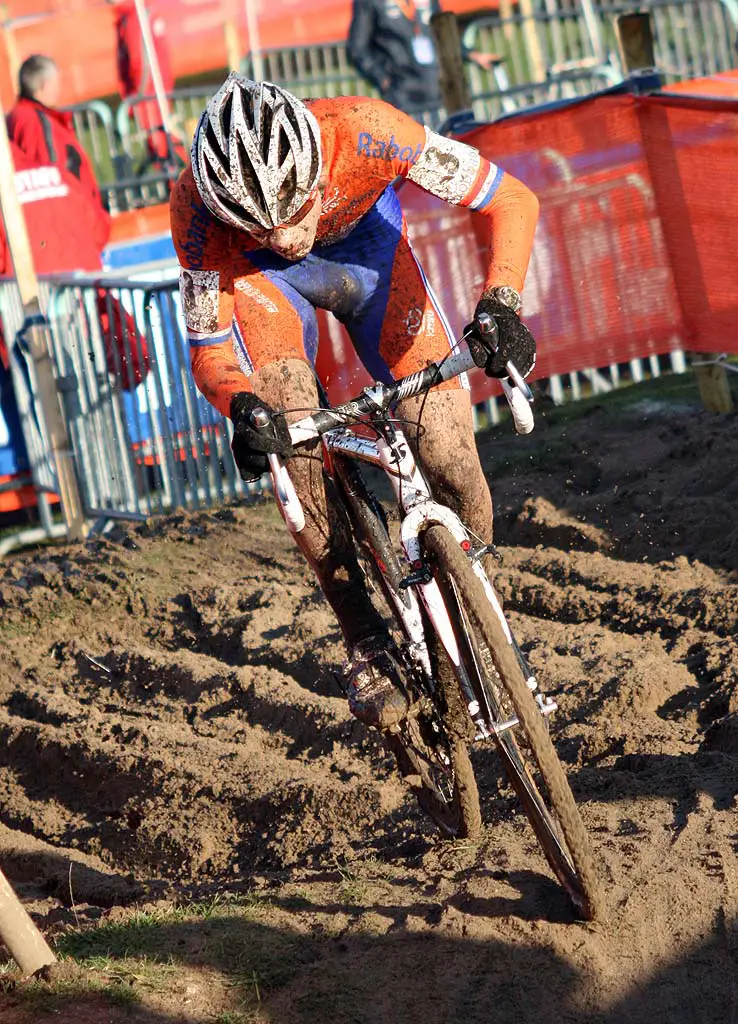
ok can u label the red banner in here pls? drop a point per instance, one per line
(637, 242)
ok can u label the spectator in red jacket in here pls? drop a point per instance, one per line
(62, 223)
(60, 219)
(135, 79)
(46, 135)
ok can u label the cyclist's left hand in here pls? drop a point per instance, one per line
(513, 340)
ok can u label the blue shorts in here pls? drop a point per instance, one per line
(370, 281)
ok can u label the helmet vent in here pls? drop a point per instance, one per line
(256, 155)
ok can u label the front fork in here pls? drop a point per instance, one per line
(418, 519)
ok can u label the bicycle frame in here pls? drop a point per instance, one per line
(392, 453)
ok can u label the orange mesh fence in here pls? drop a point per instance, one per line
(637, 243)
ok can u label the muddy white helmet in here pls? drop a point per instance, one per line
(255, 154)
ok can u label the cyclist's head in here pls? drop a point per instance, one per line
(256, 154)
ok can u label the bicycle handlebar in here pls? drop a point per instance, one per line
(379, 397)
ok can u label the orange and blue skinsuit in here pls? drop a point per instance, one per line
(251, 321)
(245, 307)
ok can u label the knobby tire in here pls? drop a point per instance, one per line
(576, 872)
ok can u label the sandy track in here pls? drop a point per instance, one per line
(169, 717)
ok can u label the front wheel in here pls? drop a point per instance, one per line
(528, 755)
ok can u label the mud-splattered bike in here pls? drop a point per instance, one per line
(467, 679)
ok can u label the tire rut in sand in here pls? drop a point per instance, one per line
(170, 764)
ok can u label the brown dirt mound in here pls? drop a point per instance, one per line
(169, 716)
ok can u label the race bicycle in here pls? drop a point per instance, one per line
(466, 677)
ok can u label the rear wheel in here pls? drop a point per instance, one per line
(433, 763)
(528, 755)
(440, 774)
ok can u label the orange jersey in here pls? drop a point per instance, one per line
(366, 144)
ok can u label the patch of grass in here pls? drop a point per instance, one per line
(240, 904)
(43, 998)
(233, 1017)
(147, 971)
(353, 889)
(670, 388)
(148, 950)
(242, 945)
(250, 989)
(508, 453)
(301, 896)
(141, 931)
(119, 981)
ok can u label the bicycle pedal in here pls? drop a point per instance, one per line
(418, 576)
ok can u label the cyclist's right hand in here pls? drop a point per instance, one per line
(251, 445)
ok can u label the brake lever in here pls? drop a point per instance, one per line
(262, 421)
(284, 490)
(519, 380)
(487, 326)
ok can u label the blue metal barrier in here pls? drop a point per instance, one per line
(143, 447)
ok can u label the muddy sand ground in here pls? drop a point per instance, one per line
(171, 730)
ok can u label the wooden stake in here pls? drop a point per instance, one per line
(712, 381)
(38, 342)
(635, 40)
(232, 45)
(11, 48)
(27, 945)
(8, 58)
(454, 87)
(252, 27)
(153, 62)
(506, 16)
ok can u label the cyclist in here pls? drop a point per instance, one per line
(287, 207)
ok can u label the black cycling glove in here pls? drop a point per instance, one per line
(512, 341)
(250, 446)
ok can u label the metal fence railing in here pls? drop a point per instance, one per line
(143, 439)
(576, 44)
(146, 441)
(95, 128)
(571, 51)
